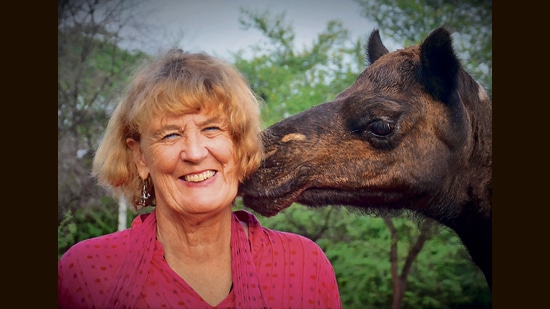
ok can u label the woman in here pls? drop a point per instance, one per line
(183, 137)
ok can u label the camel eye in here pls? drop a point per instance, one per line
(382, 128)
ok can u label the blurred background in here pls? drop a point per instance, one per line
(295, 54)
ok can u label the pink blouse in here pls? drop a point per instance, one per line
(126, 269)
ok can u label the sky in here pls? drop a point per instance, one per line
(213, 25)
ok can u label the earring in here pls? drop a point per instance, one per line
(144, 194)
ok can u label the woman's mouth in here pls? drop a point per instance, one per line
(200, 176)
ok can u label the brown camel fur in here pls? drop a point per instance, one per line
(412, 132)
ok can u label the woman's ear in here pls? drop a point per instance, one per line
(139, 160)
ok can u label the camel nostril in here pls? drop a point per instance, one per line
(268, 153)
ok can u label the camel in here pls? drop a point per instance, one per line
(413, 132)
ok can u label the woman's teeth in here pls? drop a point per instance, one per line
(199, 177)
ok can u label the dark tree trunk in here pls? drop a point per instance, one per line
(399, 281)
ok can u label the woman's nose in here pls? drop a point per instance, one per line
(194, 149)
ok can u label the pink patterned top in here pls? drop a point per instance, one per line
(126, 269)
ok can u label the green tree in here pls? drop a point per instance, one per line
(289, 80)
(91, 70)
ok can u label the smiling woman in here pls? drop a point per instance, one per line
(183, 138)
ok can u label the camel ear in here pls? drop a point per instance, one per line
(374, 48)
(143, 169)
(439, 65)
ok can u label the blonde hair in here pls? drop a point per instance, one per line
(177, 82)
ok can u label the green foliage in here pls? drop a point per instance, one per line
(92, 70)
(289, 80)
(444, 277)
(84, 223)
(66, 233)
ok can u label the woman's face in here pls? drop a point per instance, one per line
(191, 162)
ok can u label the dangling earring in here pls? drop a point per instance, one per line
(144, 194)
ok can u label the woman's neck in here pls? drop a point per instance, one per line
(198, 249)
(193, 236)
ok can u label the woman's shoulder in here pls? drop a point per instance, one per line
(106, 246)
(88, 268)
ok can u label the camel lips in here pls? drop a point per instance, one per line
(199, 177)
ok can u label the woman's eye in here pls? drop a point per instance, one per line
(170, 135)
(211, 128)
(211, 131)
